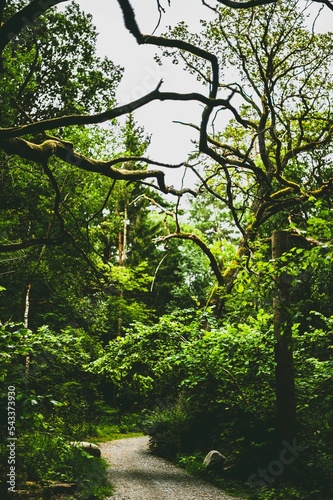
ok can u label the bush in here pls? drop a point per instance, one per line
(42, 457)
(166, 426)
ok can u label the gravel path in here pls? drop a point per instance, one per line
(138, 475)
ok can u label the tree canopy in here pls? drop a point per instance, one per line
(144, 298)
(274, 128)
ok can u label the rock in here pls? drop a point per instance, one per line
(214, 461)
(90, 448)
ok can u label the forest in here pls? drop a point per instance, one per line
(201, 316)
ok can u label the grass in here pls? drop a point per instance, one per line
(105, 433)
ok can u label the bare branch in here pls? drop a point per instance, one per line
(106, 199)
(153, 202)
(245, 5)
(40, 153)
(65, 121)
(11, 247)
(161, 11)
(311, 146)
(325, 2)
(132, 26)
(157, 269)
(57, 199)
(202, 245)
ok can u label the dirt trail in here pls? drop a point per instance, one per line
(137, 475)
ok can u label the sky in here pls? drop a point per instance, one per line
(170, 142)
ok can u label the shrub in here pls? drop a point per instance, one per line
(166, 426)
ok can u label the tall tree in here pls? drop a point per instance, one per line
(270, 164)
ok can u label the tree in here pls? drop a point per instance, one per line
(39, 152)
(269, 165)
(271, 162)
(44, 70)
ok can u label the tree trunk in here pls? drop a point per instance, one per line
(284, 370)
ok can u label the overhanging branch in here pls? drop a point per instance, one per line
(12, 247)
(202, 245)
(40, 153)
(69, 120)
(133, 28)
(245, 5)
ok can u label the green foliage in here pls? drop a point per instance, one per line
(50, 395)
(44, 458)
(214, 366)
(52, 406)
(207, 382)
(193, 464)
(213, 387)
(138, 361)
(82, 278)
(51, 67)
(167, 426)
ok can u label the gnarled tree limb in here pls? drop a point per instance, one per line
(69, 120)
(133, 28)
(40, 153)
(202, 245)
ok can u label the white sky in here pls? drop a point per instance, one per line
(170, 142)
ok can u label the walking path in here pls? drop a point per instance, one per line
(138, 475)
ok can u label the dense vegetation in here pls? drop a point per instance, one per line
(206, 324)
